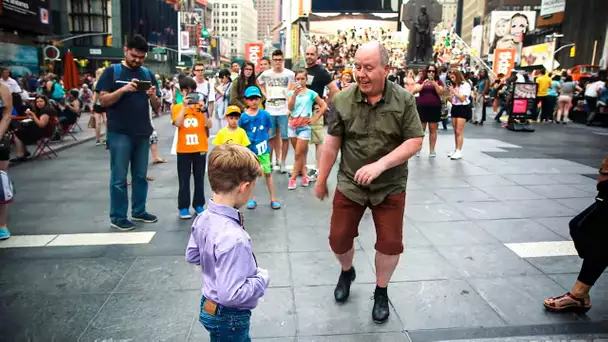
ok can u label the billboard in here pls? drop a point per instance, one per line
(27, 15)
(254, 53)
(21, 59)
(537, 55)
(508, 28)
(504, 61)
(360, 6)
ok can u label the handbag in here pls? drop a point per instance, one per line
(589, 230)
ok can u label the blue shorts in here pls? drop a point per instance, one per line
(279, 121)
(303, 132)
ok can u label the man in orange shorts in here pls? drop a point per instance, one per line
(376, 126)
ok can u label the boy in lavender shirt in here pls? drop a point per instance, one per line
(232, 281)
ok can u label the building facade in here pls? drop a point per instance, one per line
(236, 21)
(268, 19)
(448, 15)
(473, 11)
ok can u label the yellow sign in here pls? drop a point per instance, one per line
(573, 51)
(295, 42)
(537, 55)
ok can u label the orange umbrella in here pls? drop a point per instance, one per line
(71, 79)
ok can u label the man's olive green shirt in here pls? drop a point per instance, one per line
(370, 132)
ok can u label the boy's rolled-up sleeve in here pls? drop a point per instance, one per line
(193, 254)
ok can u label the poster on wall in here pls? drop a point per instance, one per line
(21, 59)
(538, 55)
(28, 15)
(524, 100)
(508, 28)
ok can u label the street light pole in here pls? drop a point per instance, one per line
(554, 37)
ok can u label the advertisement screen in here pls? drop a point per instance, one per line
(27, 15)
(538, 55)
(355, 6)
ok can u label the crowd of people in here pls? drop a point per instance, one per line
(376, 118)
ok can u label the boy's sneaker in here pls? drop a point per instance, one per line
(418, 154)
(252, 204)
(123, 224)
(283, 168)
(199, 210)
(292, 184)
(433, 154)
(305, 181)
(184, 213)
(4, 233)
(145, 218)
(274, 204)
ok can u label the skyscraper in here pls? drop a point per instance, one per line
(237, 22)
(268, 18)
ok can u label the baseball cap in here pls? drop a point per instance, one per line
(252, 91)
(233, 110)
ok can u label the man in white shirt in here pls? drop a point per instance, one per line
(204, 87)
(592, 94)
(275, 84)
(12, 85)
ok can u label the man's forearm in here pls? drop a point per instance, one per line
(108, 99)
(328, 158)
(402, 153)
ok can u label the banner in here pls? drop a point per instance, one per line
(504, 61)
(21, 59)
(508, 29)
(27, 15)
(254, 53)
(295, 43)
(537, 55)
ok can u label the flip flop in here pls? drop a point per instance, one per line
(274, 204)
(252, 204)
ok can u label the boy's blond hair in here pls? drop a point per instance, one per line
(231, 165)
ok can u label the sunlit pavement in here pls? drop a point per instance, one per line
(486, 241)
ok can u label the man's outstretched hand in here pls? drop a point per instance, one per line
(321, 191)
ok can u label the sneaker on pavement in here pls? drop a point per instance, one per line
(312, 175)
(199, 210)
(292, 184)
(456, 155)
(123, 224)
(305, 181)
(4, 233)
(418, 154)
(184, 214)
(433, 154)
(450, 154)
(283, 168)
(252, 204)
(145, 217)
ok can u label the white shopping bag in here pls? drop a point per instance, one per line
(174, 145)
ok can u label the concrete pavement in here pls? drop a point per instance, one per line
(486, 241)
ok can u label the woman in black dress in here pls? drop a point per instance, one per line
(33, 129)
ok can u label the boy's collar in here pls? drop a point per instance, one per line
(225, 211)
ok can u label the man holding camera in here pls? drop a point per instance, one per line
(127, 90)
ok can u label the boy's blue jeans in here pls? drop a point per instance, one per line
(125, 150)
(227, 324)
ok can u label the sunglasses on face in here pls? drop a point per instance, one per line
(433, 71)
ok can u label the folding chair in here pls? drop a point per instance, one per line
(44, 148)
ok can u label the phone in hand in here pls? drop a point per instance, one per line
(193, 98)
(143, 85)
(431, 78)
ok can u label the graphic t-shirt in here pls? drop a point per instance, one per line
(302, 108)
(276, 86)
(257, 126)
(318, 79)
(465, 90)
(227, 136)
(191, 135)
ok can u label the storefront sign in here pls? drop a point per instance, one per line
(504, 61)
(254, 53)
(27, 15)
(51, 53)
(95, 52)
(549, 7)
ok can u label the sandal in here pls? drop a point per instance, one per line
(274, 204)
(567, 303)
(252, 204)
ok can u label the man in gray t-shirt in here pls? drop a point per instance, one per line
(275, 83)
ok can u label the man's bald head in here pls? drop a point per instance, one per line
(311, 55)
(375, 48)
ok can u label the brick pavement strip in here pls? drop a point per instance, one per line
(456, 281)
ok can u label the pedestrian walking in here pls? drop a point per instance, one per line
(460, 97)
(126, 91)
(6, 110)
(376, 128)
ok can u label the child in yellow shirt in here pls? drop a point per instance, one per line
(232, 134)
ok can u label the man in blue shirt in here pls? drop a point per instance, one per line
(129, 130)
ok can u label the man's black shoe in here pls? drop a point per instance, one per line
(342, 290)
(380, 311)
